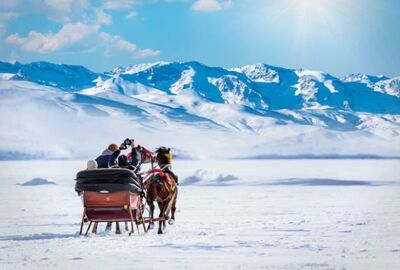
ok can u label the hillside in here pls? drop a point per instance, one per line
(64, 111)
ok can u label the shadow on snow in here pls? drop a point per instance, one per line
(41, 236)
(322, 182)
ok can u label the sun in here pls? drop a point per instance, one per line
(313, 5)
(309, 15)
(312, 21)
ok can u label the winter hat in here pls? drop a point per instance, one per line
(122, 161)
(91, 164)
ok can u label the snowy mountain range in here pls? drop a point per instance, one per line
(64, 111)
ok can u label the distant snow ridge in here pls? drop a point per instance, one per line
(136, 68)
(259, 87)
(260, 109)
(66, 77)
(363, 78)
(390, 86)
(378, 83)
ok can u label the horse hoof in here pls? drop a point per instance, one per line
(159, 232)
(151, 226)
(118, 232)
(171, 222)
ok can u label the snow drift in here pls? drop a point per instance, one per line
(37, 181)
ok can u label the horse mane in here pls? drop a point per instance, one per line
(161, 151)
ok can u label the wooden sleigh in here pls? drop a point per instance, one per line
(121, 206)
(110, 195)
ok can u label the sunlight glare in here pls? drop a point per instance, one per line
(315, 4)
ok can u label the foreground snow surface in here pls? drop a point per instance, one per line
(241, 214)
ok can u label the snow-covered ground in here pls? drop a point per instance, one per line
(232, 214)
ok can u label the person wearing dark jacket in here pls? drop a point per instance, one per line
(108, 159)
(123, 163)
(109, 156)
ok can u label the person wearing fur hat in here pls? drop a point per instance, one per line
(91, 165)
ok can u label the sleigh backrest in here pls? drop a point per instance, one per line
(115, 206)
(114, 199)
(111, 180)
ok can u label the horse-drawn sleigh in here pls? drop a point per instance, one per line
(116, 195)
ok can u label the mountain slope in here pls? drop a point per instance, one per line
(202, 111)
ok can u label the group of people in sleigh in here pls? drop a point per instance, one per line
(112, 157)
(159, 184)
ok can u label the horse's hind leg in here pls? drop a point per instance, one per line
(161, 222)
(117, 229)
(173, 209)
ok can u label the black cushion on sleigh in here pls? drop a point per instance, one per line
(108, 180)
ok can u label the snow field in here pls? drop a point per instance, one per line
(258, 222)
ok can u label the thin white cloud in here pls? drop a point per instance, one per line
(118, 5)
(64, 10)
(7, 16)
(61, 5)
(80, 32)
(131, 15)
(211, 5)
(129, 4)
(69, 34)
(87, 37)
(103, 18)
(8, 4)
(116, 42)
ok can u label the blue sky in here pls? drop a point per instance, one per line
(336, 36)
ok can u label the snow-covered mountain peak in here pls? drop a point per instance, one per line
(311, 75)
(390, 86)
(259, 73)
(235, 91)
(136, 68)
(364, 78)
(184, 82)
(272, 109)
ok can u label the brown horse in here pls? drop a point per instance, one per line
(162, 188)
